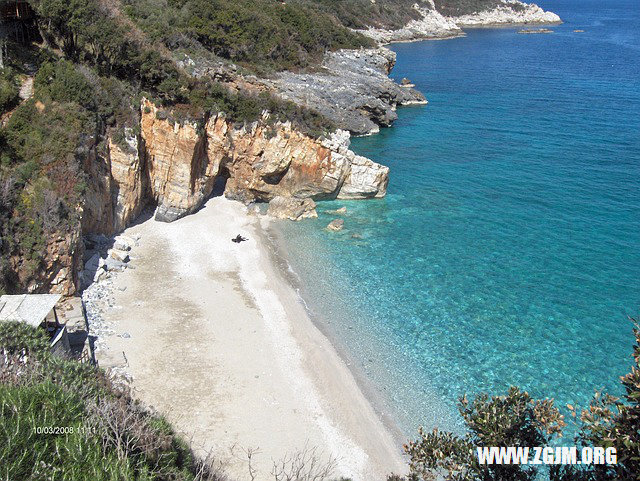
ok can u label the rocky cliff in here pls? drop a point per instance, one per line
(352, 88)
(442, 19)
(175, 165)
(259, 161)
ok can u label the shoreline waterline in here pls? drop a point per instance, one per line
(382, 405)
(220, 343)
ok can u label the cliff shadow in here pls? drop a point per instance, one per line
(220, 182)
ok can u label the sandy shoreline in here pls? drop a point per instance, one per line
(217, 340)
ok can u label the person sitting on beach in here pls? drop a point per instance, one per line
(237, 239)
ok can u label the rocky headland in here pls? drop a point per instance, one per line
(432, 24)
(352, 88)
(446, 21)
(510, 12)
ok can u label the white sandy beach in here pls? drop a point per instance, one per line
(222, 346)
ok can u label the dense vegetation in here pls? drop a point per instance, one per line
(360, 14)
(106, 436)
(263, 33)
(517, 420)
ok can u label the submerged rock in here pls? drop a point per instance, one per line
(336, 225)
(340, 211)
(291, 208)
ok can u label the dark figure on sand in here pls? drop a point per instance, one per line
(237, 239)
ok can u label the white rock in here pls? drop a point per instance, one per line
(121, 246)
(506, 14)
(119, 255)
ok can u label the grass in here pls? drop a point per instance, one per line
(63, 420)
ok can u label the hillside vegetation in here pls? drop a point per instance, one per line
(63, 420)
(263, 33)
(97, 60)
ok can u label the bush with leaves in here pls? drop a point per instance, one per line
(511, 420)
(519, 421)
(8, 89)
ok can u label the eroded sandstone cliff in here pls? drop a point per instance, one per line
(258, 161)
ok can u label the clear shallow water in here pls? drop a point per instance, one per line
(507, 251)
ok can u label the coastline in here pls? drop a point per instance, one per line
(216, 339)
(327, 376)
(273, 237)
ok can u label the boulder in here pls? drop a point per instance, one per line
(291, 208)
(123, 243)
(99, 275)
(111, 264)
(119, 255)
(336, 225)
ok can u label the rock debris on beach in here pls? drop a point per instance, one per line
(104, 258)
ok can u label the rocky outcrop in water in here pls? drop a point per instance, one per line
(445, 20)
(506, 13)
(352, 88)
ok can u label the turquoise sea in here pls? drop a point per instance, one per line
(507, 251)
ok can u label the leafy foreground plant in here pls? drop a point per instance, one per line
(516, 420)
(66, 421)
(63, 420)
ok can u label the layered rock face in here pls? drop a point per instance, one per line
(181, 168)
(61, 261)
(129, 180)
(259, 162)
(352, 89)
(117, 185)
(175, 166)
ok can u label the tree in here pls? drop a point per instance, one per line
(512, 420)
(517, 420)
(3, 35)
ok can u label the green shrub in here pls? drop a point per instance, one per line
(48, 134)
(390, 14)
(62, 82)
(27, 453)
(16, 336)
(8, 89)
